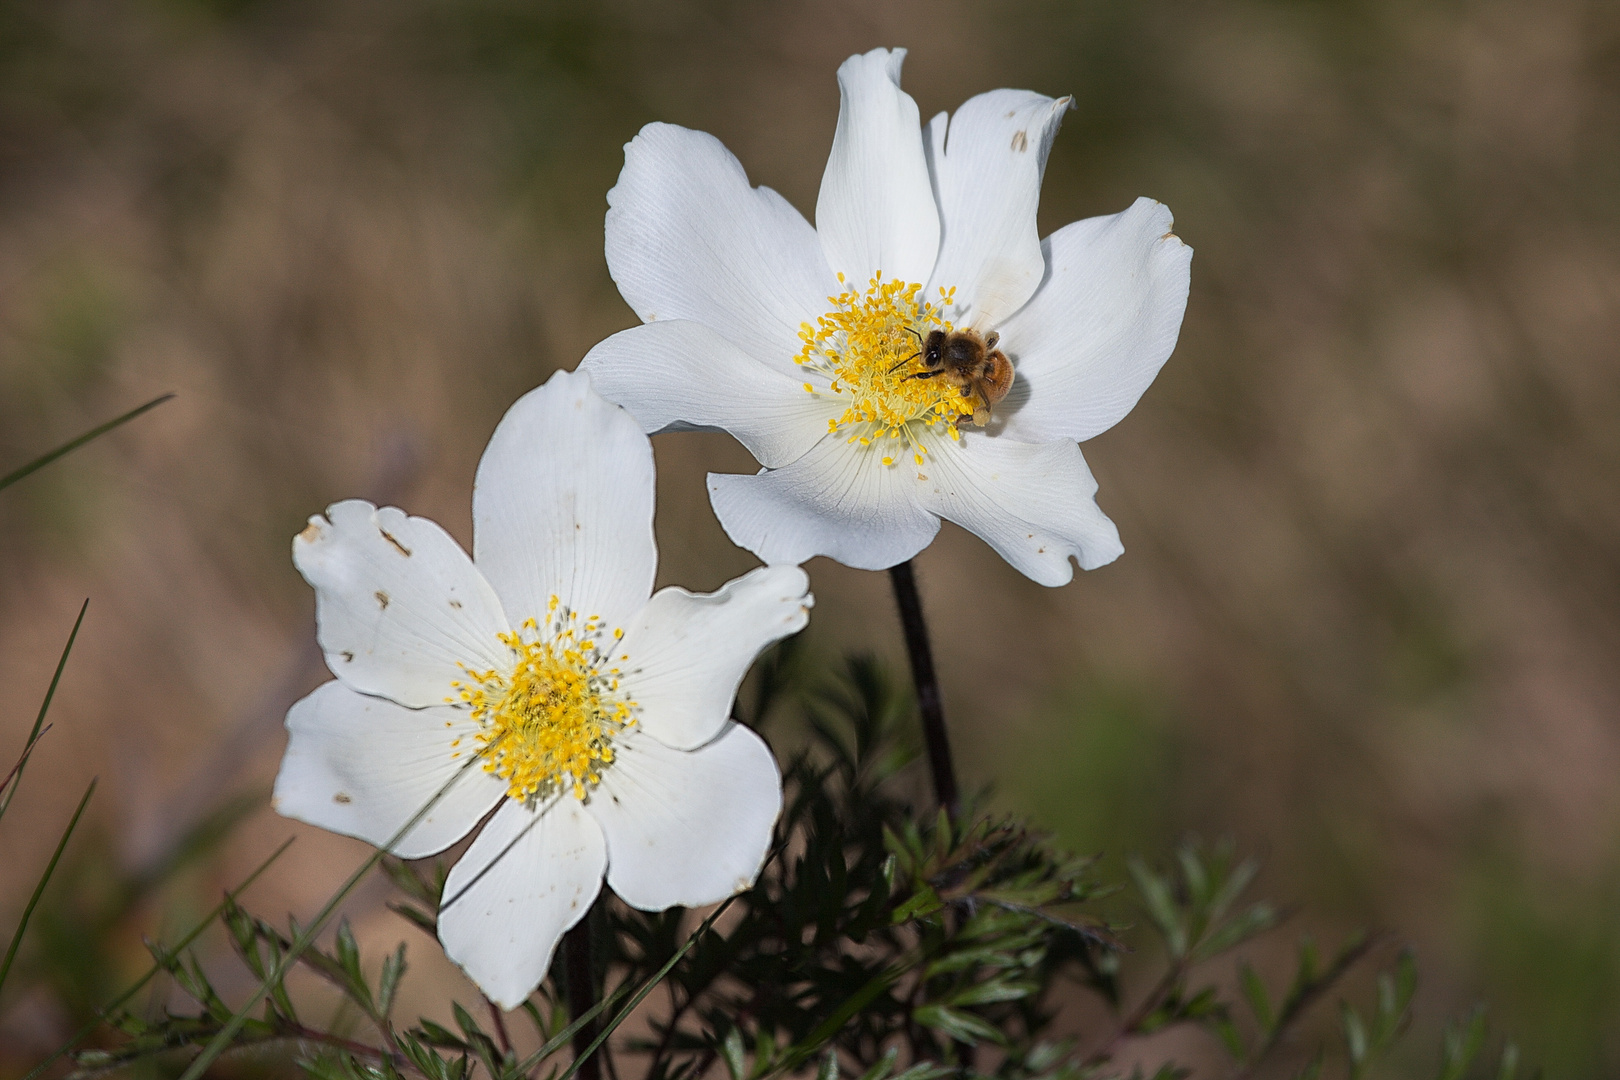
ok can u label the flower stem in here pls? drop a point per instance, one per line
(938, 743)
(497, 1021)
(581, 994)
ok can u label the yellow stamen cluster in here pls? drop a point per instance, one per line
(868, 349)
(547, 724)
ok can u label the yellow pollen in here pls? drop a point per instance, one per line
(868, 348)
(547, 723)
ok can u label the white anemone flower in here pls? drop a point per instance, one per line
(600, 709)
(803, 342)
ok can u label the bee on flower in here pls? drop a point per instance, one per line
(920, 353)
(598, 711)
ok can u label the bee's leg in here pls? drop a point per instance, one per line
(980, 407)
(926, 374)
(981, 411)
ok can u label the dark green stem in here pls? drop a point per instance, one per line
(582, 995)
(935, 738)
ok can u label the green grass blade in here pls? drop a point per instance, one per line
(6, 786)
(9, 788)
(647, 988)
(566, 1035)
(192, 935)
(50, 868)
(68, 447)
(307, 934)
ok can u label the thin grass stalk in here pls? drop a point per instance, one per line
(15, 779)
(191, 935)
(566, 1035)
(306, 935)
(39, 889)
(68, 447)
(641, 995)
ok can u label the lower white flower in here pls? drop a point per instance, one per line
(600, 710)
(811, 345)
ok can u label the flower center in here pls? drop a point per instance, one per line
(548, 723)
(868, 350)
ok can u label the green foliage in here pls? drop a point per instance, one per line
(878, 931)
(878, 943)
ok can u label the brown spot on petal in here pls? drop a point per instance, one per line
(382, 599)
(388, 536)
(456, 604)
(311, 533)
(342, 799)
(348, 657)
(1020, 142)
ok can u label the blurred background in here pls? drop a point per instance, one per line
(1368, 618)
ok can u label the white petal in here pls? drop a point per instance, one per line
(1100, 327)
(398, 605)
(989, 184)
(683, 376)
(1035, 503)
(933, 152)
(687, 238)
(363, 766)
(688, 653)
(687, 827)
(876, 209)
(563, 505)
(529, 876)
(837, 500)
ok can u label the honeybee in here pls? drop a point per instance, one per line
(968, 362)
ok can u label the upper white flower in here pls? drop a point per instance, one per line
(601, 710)
(796, 339)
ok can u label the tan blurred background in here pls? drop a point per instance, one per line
(1368, 617)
